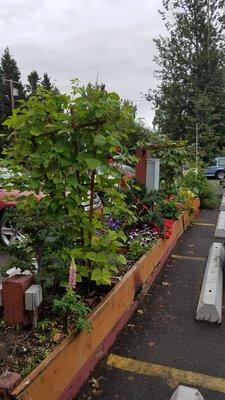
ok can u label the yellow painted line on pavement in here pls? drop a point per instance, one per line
(192, 258)
(204, 224)
(172, 375)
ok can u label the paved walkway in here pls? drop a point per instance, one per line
(163, 345)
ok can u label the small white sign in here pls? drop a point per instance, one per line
(15, 92)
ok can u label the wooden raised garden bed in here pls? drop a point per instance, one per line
(62, 373)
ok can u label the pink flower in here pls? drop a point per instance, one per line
(72, 274)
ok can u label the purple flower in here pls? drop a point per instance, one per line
(113, 224)
(72, 274)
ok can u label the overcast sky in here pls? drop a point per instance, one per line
(83, 38)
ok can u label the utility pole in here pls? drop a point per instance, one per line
(208, 34)
(196, 147)
(11, 94)
(13, 91)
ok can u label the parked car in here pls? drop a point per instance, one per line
(217, 169)
(8, 234)
(126, 170)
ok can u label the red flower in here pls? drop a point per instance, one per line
(167, 234)
(168, 223)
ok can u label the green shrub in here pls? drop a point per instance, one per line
(201, 187)
(168, 209)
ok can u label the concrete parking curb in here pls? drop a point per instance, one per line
(186, 393)
(222, 205)
(220, 226)
(210, 301)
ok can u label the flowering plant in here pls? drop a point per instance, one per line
(168, 224)
(113, 224)
(185, 194)
(138, 248)
(186, 198)
(145, 234)
(72, 275)
(70, 305)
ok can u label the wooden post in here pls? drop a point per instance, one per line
(141, 166)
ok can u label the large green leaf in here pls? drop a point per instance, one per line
(93, 163)
(100, 140)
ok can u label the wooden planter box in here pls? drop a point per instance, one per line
(62, 373)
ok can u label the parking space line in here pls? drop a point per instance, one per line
(204, 224)
(177, 376)
(191, 258)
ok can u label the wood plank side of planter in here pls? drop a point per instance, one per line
(197, 204)
(186, 217)
(186, 220)
(53, 378)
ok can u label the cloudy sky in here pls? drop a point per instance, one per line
(83, 38)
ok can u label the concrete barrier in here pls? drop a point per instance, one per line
(220, 226)
(210, 300)
(33, 297)
(186, 393)
(222, 205)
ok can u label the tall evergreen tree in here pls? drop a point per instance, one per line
(8, 70)
(33, 81)
(46, 83)
(191, 94)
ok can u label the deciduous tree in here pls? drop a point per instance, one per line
(191, 66)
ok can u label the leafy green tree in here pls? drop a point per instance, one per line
(8, 70)
(33, 82)
(139, 135)
(191, 69)
(138, 132)
(61, 146)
